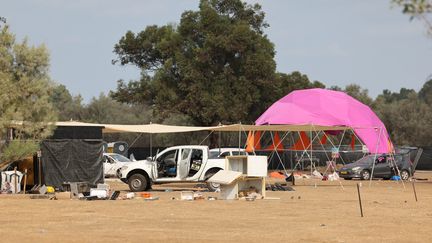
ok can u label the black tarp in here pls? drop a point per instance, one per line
(425, 162)
(72, 160)
(80, 132)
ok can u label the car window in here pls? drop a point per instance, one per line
(398, 158)
(224, 154)
(169, 157)
(238, 153)
(366, 160)
(380, 159)
(197, 155)
(120, 158)
(213, 154)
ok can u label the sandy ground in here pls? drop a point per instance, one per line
(325, 213)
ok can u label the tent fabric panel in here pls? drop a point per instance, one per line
(303, 142)
(328, 108)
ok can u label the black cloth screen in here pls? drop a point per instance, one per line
(72, 160)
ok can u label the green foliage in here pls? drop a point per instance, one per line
(19, 149)
(407, 120)
(425, 93)
(388, 97)
(360, 94)
(68, 107)
(215, 66)
(420, 9)
(407, 116)
(24, 94)
(106, 110)
(294, 81)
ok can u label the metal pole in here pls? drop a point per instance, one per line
(359, 197)
(311, 152)
(15, 181)
(25, 181)
(239, 138)
(219, 141)
(39, 154)
(414, 189)
(151, 146)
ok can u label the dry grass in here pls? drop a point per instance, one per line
(326, 213)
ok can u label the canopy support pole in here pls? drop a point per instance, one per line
(151, 146)
(239, 138)
(376, 152)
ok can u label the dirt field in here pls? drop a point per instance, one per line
(325, 213)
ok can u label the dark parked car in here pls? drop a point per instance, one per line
(384, 167)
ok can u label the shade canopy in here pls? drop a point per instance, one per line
(321, 107)
(159, 128)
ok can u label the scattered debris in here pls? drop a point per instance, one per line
(317, 175)
(115, 195)
(201, 187)
(279, 187)
(198, 196)
(130, 195)
(145, 195)
(11, 181)
(187, 195)
(277, 174)
(151, 199)
(44, 196)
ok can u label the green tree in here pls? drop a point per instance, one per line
(407, 120)
(68, 107)
(425, 92)
(420, 9)
(388, 97)
(215, 66)
(106, 110)
(287, 83)
(24, 95)
(359, 93)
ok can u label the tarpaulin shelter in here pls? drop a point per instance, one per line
(321, 107)
(73, 154)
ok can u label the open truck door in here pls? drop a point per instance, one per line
(184, 164)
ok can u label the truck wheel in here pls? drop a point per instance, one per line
(213, 186)
(138, 183)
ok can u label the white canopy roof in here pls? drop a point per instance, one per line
(158, 128)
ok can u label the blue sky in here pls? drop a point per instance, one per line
(337, 42)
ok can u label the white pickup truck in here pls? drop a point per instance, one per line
(187, 163)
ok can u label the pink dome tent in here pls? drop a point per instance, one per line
(329, 108)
